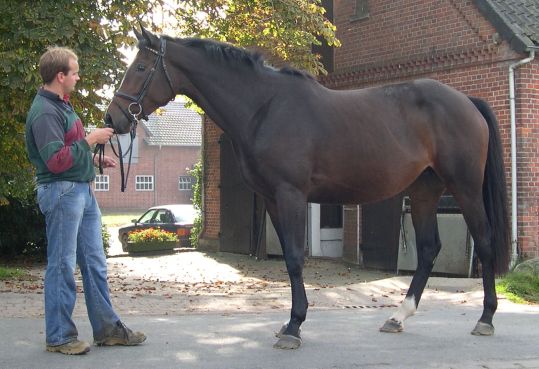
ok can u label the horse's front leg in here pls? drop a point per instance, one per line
(288, 214)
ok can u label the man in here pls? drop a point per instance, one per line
(62, 155)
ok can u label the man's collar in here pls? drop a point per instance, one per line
(52, 95)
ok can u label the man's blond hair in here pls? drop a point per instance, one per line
(55, 60)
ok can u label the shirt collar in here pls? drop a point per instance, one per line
(48, 94)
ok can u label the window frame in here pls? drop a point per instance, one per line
(140, 183)
(189, 183)
(98, 182)
(361, 10)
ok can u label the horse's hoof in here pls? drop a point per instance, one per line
(483, 329)
(283, 329)
(287, 342)
(392, 326)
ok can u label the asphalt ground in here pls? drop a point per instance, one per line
(221, 311)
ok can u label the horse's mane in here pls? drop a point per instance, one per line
(228, 53)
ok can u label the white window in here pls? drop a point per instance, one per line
(144, 183)
(101, 182)
(185, 183)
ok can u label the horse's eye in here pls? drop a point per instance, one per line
(141, 67)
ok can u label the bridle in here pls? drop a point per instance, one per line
(135, 112)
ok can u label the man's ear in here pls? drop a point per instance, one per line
(60, 76)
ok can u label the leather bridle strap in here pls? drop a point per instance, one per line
(134, 113)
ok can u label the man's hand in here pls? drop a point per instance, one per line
(99, 135)
(108, 162)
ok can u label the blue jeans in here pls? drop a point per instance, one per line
(74, 237)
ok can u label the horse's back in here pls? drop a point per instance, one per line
(383, 138)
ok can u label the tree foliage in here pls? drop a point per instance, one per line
(95, 30)
(287, 29)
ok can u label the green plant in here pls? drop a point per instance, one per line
(197, 173)
(10, 273)
(518, 287)
(105, 235)
(23, 229)
(151, 234)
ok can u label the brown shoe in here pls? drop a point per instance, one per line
(75, 347)
(121, 335)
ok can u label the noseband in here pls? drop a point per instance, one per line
(134, 113)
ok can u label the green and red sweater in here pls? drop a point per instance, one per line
(55, 141)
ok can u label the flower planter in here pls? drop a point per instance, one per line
(151, 246)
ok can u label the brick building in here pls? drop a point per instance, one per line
(470, 45)
(165, 147)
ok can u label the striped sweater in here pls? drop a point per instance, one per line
(55, 141)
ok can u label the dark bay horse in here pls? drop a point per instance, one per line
(297, 142)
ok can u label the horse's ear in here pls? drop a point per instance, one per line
(146, 34)
(137, 34)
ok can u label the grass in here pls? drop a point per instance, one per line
(116, 219)
(10, 273)
(521, 288)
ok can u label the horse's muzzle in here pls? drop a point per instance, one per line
(108, 121)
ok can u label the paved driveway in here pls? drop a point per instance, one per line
(219, 311)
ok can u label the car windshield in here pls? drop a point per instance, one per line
(147, 217)
(184, 215)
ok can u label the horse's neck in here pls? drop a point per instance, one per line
(228, 97)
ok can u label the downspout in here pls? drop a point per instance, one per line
(512, 107)
(357, 236)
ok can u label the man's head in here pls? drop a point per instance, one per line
(59, 66)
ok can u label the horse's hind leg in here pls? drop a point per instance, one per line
(424, 195)
(288, 214)
(473, 210)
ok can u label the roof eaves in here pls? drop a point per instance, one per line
(511, 33)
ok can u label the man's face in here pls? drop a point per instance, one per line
(69, 80)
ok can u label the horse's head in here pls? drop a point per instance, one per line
(145, 86)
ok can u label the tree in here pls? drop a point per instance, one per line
(287, 29)
(96, 30)
(93, 29)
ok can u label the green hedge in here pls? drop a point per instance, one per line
(23, 233)
(22, 230)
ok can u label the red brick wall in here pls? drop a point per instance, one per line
(351, 234)
(212, 175)
(527, 101)
(166, 164)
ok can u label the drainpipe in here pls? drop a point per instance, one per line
(514, 213)
(357, 236)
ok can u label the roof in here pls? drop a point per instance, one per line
(174, 125)
(515, 20)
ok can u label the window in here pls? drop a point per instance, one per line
(185, 183)
(144, 183)
(101, 183)
(362, 10)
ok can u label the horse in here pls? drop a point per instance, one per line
(297, 141)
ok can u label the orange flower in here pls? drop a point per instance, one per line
(151, 234)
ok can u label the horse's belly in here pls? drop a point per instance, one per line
(360, 187)
(348, 196)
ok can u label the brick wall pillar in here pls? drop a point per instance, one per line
(527, 121)
(209, 239)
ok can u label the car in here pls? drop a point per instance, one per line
(176, 218)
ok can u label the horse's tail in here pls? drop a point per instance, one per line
(495, 190)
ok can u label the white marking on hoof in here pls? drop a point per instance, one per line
(407, 309)
(283, 328)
